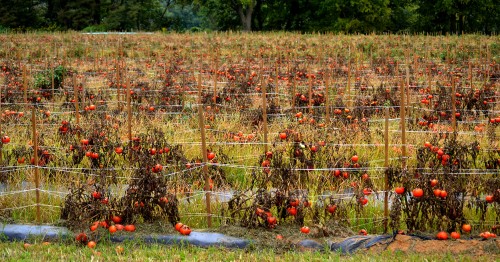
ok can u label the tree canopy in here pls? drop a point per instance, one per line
(349, 16)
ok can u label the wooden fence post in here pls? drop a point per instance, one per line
(453, 105)
(76, 103)
(386, 165)
(37, 175)
(25, 86)
(129, 111)
(327, 100)
(204, 154)
(264, 114)
(309, 103)
(402, 111)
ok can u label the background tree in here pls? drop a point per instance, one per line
(348, 16)
(21, 14)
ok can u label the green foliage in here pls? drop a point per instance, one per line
(350, 16)
(43, 80)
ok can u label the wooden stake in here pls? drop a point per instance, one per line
(37, 175)
(52, 83)
(118, 84)
(129, 113)
(25, 85)
(407, 86)
(264, 113)
(77, 110)
(349, 101)
(215, 77)
(293, 93)
(309, 103)
(276, 86)
(386, 165)
(453, 105)
(470, 75)
(204, 154)
(327, 99)
(403, 124)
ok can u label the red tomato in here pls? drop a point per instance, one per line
(442, 235)
(164, 200)
(96, 195)
(292, 211)
(116, 219)
(399, 190)
(271, 220)
(104, 224)
(418, 192)
(294, 202)
(367, 191)
(91, 244)
(455, 235)
(443, 194)
(152, 151)
(211, 155)
(305, 230)
(5, 139)
(466, 228)
(489, 198)
(178, 226)
(283, 136)
(434, 182)
(129, 228)
(355, 158)
(185, 230)
(112, 229)
(331, 208)
(82, 237)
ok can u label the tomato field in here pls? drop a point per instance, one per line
(309, 132)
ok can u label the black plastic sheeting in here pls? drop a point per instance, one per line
(23, 232)
(200, 239)
(51, 233)
(351, 244)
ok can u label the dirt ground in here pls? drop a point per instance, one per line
(477, 247)
(288, 237)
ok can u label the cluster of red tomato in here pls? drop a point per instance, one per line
(184, 230)
(440, 154)
(487, 235)
(292, 206)
(11, 115)
(267, 216)
(495, 120)
(442, 235)
(116, 226)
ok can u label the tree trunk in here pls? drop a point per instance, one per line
(246, 16)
